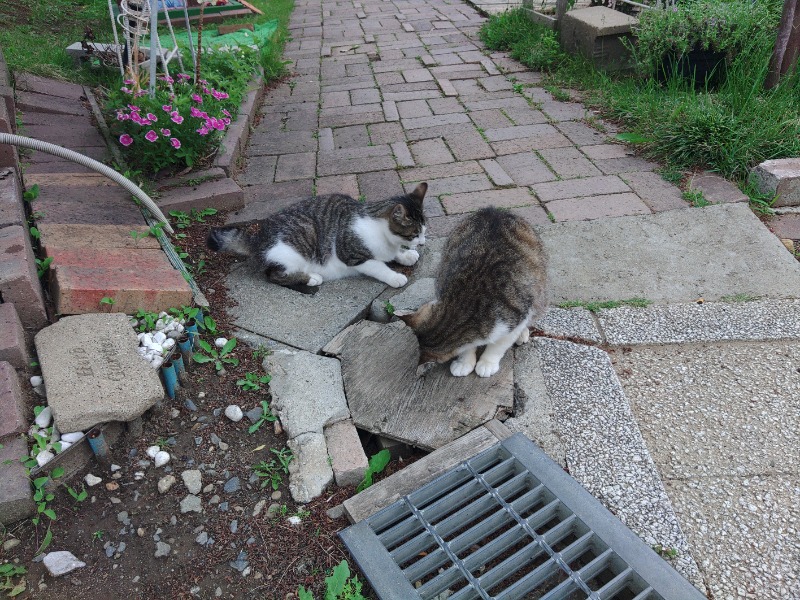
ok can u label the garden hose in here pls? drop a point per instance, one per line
(26, 142)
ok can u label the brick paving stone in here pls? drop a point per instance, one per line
(445, 106)
(41, 85)
(496, 173)
(447, 87)
(19, 282)
(375, 116)
(386, 133)
(76, 135)
(353, 136)
(439, 227)
(348, 461)
(515, 132)
(785, 226)
(524, 116)
(417, 75)
(468, 145)
(435, 121)
(465, 71)
(342, 83)
(222, 194)
(356, 160)
(380, 185)
(390, 111)
(456, 185)
(657, 194)
(403, 96)
(326, 143)
(411, 109)
(535, 215)
(332, 99)
(629, 164)
(505, 102)
(16, 497)
(597, 207)
(472, 201)
(281, 142)
(563, 111)
(431, 152)
(438, 172)
(495, 84)
(409, 64)
(266, 199)
(717, 189)
(389, 78)
(581, 134)
(301, 120)
(12, 211)
(568, 162)
(577, 188)
(337, 184)
(431, 207)
(471, 56)
(539, 142)
(489, 66)
(358, 69)
(82, 235)
(525, 168)
(295, 166)
(490, 119)
(258, 169)
(402, 154)
(28, 102)
(13, 345)
(604, 151)
(365, 96)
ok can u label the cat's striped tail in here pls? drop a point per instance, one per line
(229, 239)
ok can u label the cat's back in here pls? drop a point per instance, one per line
(494, 252)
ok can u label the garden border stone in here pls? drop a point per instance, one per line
(233, 143)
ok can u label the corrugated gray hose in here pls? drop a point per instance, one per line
(26, 142)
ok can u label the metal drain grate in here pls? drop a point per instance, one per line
(507, 524)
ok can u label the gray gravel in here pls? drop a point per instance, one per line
(576, 323)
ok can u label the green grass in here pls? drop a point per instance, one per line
(728, 130)
(595, 306)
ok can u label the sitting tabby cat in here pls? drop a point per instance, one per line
(491, 285)
(331, 237)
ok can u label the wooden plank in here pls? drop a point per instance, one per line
(414, 476)
(386, 397)
(251, 7)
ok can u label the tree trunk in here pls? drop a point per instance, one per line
(787, 44)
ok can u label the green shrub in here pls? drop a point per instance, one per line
(528, 42)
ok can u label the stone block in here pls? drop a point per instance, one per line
(220, 194)
(49, 87)
(599, 34)
(19, 282)
(13, 346)
(780, 178)
(309, 471)
(9, 155)
(16, 497)
(717, 189)
(577, 188)
(11, 207)
(27, 101)
(93, 372)
(78, 235)
(597, 207)
(96, 208)
(471, 201)
(12, 404)
(348, 460)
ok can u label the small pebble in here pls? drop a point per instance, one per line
(294, 520)
(190, 405)
(232, 485)
(234, 526)
(234, 413)
(202, 538)
(165, 483)
(92, 480)
(43, 418)
(152, 451)
(115, 468)
(36, 381)
(71, 437)
(220, 342)
(161, 459)
(276, 495)
(259, 507)
(162, 549)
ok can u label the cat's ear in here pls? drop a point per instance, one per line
(399, 213)
(407, 316)
(418, 195)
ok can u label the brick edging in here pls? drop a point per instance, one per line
(236, 136)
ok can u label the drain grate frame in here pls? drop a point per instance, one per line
(508, 523)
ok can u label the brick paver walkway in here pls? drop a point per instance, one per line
(390, 93)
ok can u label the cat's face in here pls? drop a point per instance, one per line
(429, 354)
(407, 219)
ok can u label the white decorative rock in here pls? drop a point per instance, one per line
(64, 445)
(142, 350)
(157, 348)
(92, 480)
(152, 451)
(161, 459)
(157, 362)
(159, 337)
(294, 520)
(71, 437)
(234, 413)
(147, 339)
(61, 562)
(168, 344)
(160, 324)
(44, 457)
(44, 417)
(220, 342)
(36, 380)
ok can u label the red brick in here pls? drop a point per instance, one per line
(785, 226)
(658, 194)
(11, 208)
(27, 101)
(221, 194)
(50, 87)
(535, 215)
(86, 135)
(19, 282)
(348, 460)
(16, 497)
(78, 290)
(460, 203)
(597, 207)
(109, 258)
(13, 346)
(439, 227)
(87, 205)
(12, 404)
(9, 155)
(95, 152)
(69, 179)
(77, 235)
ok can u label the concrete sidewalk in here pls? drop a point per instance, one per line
(389, 93)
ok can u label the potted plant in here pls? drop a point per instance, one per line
(696, 39)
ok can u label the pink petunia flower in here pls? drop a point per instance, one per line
(140, 93)
(139, 120)
(226, 113)
(152, 117)
(166, 132)
(197, 98)
(176, 143)
(125, 140)
(219, 95)
(151, 136)
(206, 90)
(183, 76)
(177, 119)
(204, 130)
(166, 108)
(128, 82)
(133, 108)
(227, 121)
(126, 90)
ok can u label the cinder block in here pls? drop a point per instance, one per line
(19, 282)
(13, 346)
(16, 497)
(348, 460)
(12, 404)
(222, 193)
(11, 208)
(598, 33)
(780, 178)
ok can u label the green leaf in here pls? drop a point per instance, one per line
(201, 358)
(632, 138)
(230, 345)
(18, 589)
(378, 462)
(50, 513)
(304, 594)
(48, 538)
(205, 345)
(57, 472)
(40, 481)
(334, 585)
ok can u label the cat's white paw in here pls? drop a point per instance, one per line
(486, 368)
(461, 368)
(407, 257)
(523, 337)
(314, 279)
(396, 279)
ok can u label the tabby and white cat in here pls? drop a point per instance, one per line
(491, 285)
(331, 237)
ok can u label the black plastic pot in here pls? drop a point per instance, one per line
(706, 68)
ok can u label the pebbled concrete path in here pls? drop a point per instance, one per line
(387, 93)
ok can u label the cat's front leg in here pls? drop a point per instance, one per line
(407, 257)
(524, 336)
(489, 364)
(464, 364)
(380, 271)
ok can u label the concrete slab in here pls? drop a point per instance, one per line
(605, 450)
(309, 471)
(272, 311)
(674, 256)
(720, 422)
(93, 373)
(569, 323)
